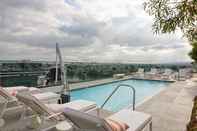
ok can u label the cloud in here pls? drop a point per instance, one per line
(84, 29)
(73, 3)
(87, 30)
(33, 4)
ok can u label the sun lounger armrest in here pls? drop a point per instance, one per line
(54, 115)
(92, 109)
(3, 105)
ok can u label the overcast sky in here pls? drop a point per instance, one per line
(87, 30)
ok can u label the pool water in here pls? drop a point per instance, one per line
(122, 98)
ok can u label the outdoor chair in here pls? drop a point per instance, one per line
(46, 113)
(124, 120)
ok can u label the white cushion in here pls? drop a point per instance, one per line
(16, 88)
(135, 120)
(34, 90)
(46, 96)
(82, 105)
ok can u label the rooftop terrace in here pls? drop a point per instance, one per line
(170, 108)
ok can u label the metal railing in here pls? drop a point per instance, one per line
(124, 85)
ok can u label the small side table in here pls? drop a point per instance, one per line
(64, 126)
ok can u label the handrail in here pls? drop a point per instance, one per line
(125, 85)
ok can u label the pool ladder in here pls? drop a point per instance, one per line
(114, 91)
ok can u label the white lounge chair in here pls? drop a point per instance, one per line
(33, 90)
(153, 71)
(46, 111)
(118, 76)
(141, 70)
(167, 74)
(139, 73)
(47, 97)
(14, 109)
(153, 74)
(33, 102)
(185, 73)
(9, 107)
(12, 101)
(3, 105)
(136, 121)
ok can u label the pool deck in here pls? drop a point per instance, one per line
(171, 108)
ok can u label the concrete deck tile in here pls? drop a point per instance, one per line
(171, 108)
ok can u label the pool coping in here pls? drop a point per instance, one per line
(117, 80)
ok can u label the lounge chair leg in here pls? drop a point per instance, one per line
(22, 117)
(2, 122)
(150, 126)
(98, 112)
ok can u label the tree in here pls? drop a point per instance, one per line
(93, 73)
(169, 15)
(193, 53)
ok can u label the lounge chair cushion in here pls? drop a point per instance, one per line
(37, 106)
(82, 105)
(34, 103)
(46, 96)
(16, 89)
(117, 126)
(34, 90)
(4, 93)
(135, 120)
(85, 121)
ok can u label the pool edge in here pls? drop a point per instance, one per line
(113, 81)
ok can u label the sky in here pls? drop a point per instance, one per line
(87, 31)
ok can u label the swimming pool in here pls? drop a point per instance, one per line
(122, 97)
